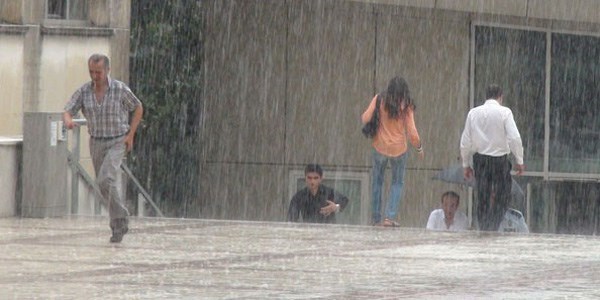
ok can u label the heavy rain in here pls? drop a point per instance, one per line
(239, 96)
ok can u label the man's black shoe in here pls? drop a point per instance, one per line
(117, 236)
(120, 229)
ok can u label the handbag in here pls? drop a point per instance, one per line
(370, 129)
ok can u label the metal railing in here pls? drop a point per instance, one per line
(78, 171)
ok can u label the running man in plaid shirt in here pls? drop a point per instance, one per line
(107, 105)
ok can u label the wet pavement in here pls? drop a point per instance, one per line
(71, 258)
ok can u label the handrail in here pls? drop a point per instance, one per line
(142, 190)
(76, 168)
(75, 165)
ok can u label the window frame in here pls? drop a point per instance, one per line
(362, 177)
(546, 174)
(66, 20)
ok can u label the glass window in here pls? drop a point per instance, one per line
(565, 207)
(575, 104)
(56, 9)
(515, 60)
(67, 9)
(354, 185)
(77, 9)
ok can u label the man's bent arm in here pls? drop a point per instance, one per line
(68, 120)
(135, 120)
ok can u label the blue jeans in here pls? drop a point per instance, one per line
(398, 166)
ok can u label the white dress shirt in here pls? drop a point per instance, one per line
(437, 221)
(490, 130)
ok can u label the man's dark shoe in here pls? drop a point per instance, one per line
(119, 230)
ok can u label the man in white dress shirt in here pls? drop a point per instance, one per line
(489, 136)
(448, 218)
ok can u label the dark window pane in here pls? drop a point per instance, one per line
(565, 207)
(67, 9)
(57, 9)
(515, 59)
(575, 104)
(577, 208)
(78, 9)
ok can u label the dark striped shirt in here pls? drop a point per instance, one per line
(108, 118)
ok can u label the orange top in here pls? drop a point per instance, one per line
(390, 139)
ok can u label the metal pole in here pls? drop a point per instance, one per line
(75, 172)
(142, 190)
(75, 156)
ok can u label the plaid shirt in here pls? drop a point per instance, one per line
(109, 118)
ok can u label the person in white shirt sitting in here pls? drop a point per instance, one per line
(448, 218)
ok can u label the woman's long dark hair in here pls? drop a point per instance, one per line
(397, 93)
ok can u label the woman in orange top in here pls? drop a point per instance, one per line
(396, 125)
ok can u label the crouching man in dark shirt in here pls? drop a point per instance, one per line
(316, 203)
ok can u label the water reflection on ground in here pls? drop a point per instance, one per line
(208, 259)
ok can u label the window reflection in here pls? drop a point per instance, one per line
(56, 9)
(77, 9)
(515, 59)
(66, 9)
(575, 104)
(565, 207)
(354, 185)
(350, 189)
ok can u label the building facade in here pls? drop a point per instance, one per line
(45, 45)
(286, 81)
(299, 74)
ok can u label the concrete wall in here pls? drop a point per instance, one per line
(43, 61)
(44, 167)
(432, 53)
(555, 10)
(63, 67)
(11, 84)
(285, 83)
(245, 104)
(11, 152)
